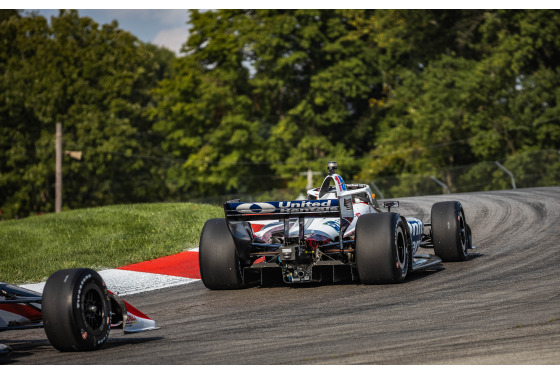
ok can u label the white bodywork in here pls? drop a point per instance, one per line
(363, 202)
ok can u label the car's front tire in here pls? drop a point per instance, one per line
(76, 310)
(220, 266)
(450, 232)
(382, 248)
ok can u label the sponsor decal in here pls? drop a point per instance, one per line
(80, 290)
(416, 229)
(305, 206)
(286, 207)
(248, 208)
(131, 319)
(335, 225)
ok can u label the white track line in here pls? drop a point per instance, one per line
(126, 282)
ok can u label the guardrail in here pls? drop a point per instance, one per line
(523, 170)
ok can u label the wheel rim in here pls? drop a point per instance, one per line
(92, 311)
(463, 233)
(401, 249)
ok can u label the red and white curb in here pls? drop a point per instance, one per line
(175, 270)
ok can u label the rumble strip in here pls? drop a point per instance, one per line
(174, 270)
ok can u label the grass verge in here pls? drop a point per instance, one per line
(99, 238)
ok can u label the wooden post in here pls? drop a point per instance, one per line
(58, 176)
(309, 178)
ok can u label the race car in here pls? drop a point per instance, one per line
(338, 233)
(76, 310)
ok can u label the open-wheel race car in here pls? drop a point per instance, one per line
(75, 309)
(338, 233)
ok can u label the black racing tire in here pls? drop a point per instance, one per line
(382, 248)
(220, 267)
(450, 232)
(76, 310)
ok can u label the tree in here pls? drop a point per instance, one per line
(205, 112)
(97, 82)
(478, 99)
(322, 78)
(269, 92)
(262, 96)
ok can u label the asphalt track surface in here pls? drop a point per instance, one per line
(502, 306)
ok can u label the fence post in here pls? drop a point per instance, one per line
(508, 173)
(58, 170)
(440, 183)
(310, 173)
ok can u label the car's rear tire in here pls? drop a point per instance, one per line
(220, 267)
(450, 232)
(76, 310)
(382, 248)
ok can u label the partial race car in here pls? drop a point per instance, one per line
(76, 310)
(338, 233)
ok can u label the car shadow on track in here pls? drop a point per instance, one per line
(427, 272)
(277, 282)
(26, 348)
(472, 256)
(416, 276)
(117, 342)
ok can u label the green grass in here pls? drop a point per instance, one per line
(100, 238)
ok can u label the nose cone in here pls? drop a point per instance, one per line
(136, 323)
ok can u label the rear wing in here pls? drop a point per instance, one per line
(237, 213)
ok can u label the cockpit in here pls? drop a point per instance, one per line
(333, 186)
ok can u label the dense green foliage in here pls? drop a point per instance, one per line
(96, 82)
(261, 96)
(99, 238)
